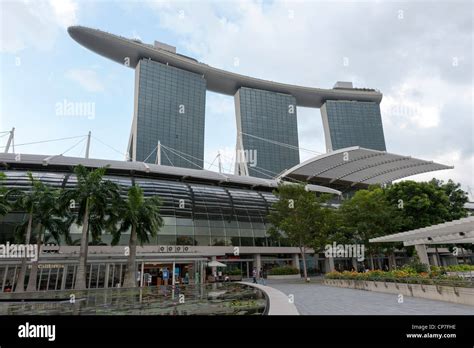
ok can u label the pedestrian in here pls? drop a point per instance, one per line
(254, 275)
(263, 275)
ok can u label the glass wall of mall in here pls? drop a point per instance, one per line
(193, 214)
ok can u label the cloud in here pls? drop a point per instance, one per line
(64, 11)
(418, 101)
(87, 78)
(34, 24)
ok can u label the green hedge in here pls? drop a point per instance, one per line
(285, 270)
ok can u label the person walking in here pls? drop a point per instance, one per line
(263, 275)
(254, 275)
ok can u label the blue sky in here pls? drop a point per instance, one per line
(419, 57)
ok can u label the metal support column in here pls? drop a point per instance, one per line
(107, 271)
(141, 274)
(88, 144)
(63, 280)
(10, 141)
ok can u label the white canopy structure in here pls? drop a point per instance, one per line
(216, 264)
(456, 231)
(357, 166)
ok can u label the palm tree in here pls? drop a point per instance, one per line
(53, 218)
(41, 206)
(93, 197)
(4, 204)
(26, 201)
(142, 217)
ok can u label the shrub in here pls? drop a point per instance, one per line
(235, 271)
(409, 270)
(400, 273)
(333, 275)
(284, 270)
(361, 276)
(376, 275)
(417, 266)
(437, 271)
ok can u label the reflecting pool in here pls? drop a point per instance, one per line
(209, 299)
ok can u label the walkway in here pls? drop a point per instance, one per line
(279, 303)
(315, 298)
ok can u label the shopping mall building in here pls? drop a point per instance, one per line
(210, 215)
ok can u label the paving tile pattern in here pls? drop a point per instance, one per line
(318, 299)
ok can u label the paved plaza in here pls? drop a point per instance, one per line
(318, 299)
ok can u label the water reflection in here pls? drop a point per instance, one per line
(210, 299)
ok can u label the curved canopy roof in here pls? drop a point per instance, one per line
(456, 231)
(359, 166)
(119, 49)
(145, 169)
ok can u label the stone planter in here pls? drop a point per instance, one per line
(287, 276)
(433, 292)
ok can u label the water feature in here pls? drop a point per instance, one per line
(209, 299)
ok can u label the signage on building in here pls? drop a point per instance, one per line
(174, 248)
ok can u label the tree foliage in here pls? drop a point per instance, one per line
(92, 201)
(43, 214)
(139, 215)
(457, 198)
(301, 217)
(139, 212)
(368, 214)
(4, 204)
(424, 204)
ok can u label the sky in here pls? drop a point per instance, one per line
(419, 54)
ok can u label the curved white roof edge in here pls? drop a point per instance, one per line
(313, 188)
(118, 48)
(66, 161)
(456, 231)
(319, 157)
(368, 167)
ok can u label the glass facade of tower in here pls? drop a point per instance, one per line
(352, 123)
(270, 116)
(170, 107)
